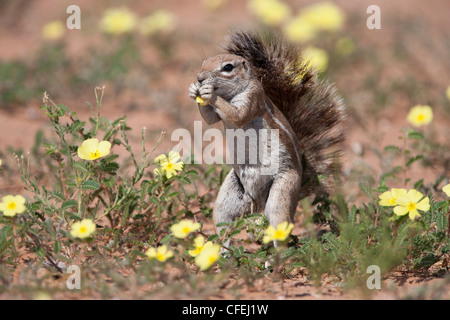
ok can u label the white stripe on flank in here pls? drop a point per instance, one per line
(287, 132)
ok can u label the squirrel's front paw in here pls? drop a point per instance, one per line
(194, 91)
(206, 93)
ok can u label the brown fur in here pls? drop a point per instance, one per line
(311, 106)
(262, 91)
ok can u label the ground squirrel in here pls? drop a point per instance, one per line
(262, 82)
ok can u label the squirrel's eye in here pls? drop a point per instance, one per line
(228, 67)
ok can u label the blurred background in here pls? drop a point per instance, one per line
(146, 53)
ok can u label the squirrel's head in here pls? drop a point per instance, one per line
(228, 73)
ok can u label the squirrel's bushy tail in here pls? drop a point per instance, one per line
(312, 107)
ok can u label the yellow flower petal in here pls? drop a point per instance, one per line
(201, 101)
(446, 189)
(182, 229)
(162, 158)
(209, 254)
(270, 12)
(420, 115)
(387, 199)
(174, 156)
(104, 148)
(199, 245)
(415, 195)
(83, 229)
(160, 21)
(400, 210)
(12, 205)
(151, 253)
(118, 21)
(413, 214)
(53, 30)
(280, 233)
(178, 166)
(161, 254)
(92, 149)
(299, 30)
(324, 16)
(403, 200)
(424, 205)
(169, 166)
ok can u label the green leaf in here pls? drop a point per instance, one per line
(392, 148)
(222, 224)
(155, 200)
(441, 221)
(90, 185)
(418, 184)
(166, 239)
(110, 167)
(192, 172)
(184, 180)
(234, 232)
(365, 189)
(415, 135)
(57, 196)
(426, 262)
(81, 165)
(237, 253)
(213, 237)
(68, 204)
(240, 223)
(413, 159)
(77, 125)
(57, 246)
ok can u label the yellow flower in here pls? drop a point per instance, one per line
(91, 149)
(270, 12)
(161, 254)
(183, 228)
(447, 92)
(324, 16)
(299, 30)
(213, 4)
(208, 255)
(12, 205)
(199, 244)
(389, 198)
(53, 30)
(316, 58)
(118, 21)
(159, 21)
(446, 189)
(345, 46)
(420, 115)
(280, 233)
(168, 166)
(201, 101)
(410, 203)
(83, 229)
